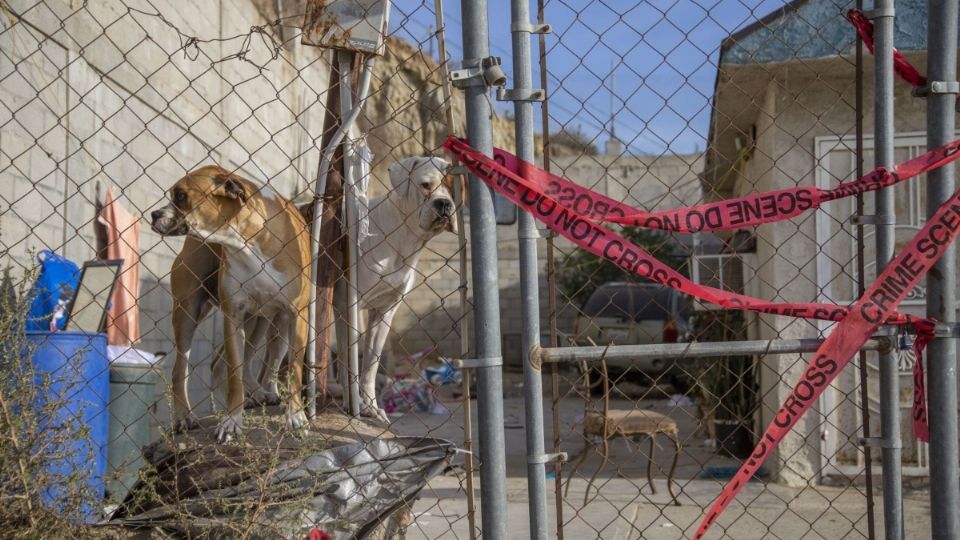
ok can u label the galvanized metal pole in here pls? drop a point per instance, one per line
(461, 326)
(352, 251)
(885, 219)
(941, 281)
(701, 349)
(483, 250)
(320, 188)
(861, 287)
(551, 285)
(527, 236)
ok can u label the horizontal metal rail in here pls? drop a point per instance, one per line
(561, 355)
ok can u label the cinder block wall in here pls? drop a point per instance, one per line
(98, 92)
(118, 97)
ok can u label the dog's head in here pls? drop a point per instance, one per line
(201, 203)
(422, 185)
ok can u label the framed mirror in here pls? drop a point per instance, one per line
(88, 310)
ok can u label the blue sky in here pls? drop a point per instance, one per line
(663, 54)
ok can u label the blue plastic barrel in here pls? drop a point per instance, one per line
(77, 372)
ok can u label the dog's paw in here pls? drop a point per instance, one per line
(296, 419)
(185, 422)
(272, 389)
(229, 427)
(259, 398)
(374, 412)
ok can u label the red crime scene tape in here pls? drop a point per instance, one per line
(758, 208)
(527, 186)
(729, 214)
(901, 67)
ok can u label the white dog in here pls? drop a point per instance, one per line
(419, 206)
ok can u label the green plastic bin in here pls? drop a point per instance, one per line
(132, 394)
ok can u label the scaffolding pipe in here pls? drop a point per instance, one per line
(318, 190)
(527, 236)
(483, 250)
(652, 351)
(941, 284)
(890, 439)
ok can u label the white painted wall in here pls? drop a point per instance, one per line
(98, 92)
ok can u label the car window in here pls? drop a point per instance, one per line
(641, 302)
(608, 302)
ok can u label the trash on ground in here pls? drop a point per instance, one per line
(400, 396)
(345, 491)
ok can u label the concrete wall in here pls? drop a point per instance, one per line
(99, 92)
(123, 98)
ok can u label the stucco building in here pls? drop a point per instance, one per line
(783, 116)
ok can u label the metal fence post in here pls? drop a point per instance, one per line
(941, 284)
(483, 250)
(885, 219)
(861, 288)
(320, 187)
(527, 236)
(351, 254)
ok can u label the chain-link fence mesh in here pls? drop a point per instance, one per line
(110, 111)
(126, 125)
(664, 105)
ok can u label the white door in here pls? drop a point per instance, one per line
(837, 282)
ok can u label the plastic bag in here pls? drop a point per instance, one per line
(400, 396)
(59, 278)
(361, 158)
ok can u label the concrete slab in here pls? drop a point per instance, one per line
(621, 505)
(621, 513)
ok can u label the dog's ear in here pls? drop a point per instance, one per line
(441, 164)
(401, 169)
(449, 180)
(231, 187)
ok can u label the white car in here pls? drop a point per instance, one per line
(624, 313)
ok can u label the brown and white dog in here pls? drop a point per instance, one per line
(247, 251)
(419, 206)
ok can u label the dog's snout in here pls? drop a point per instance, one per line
(166, 222)
(444, 207)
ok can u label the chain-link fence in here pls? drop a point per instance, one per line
(173, 171)
(185, 140)
(665, 105)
